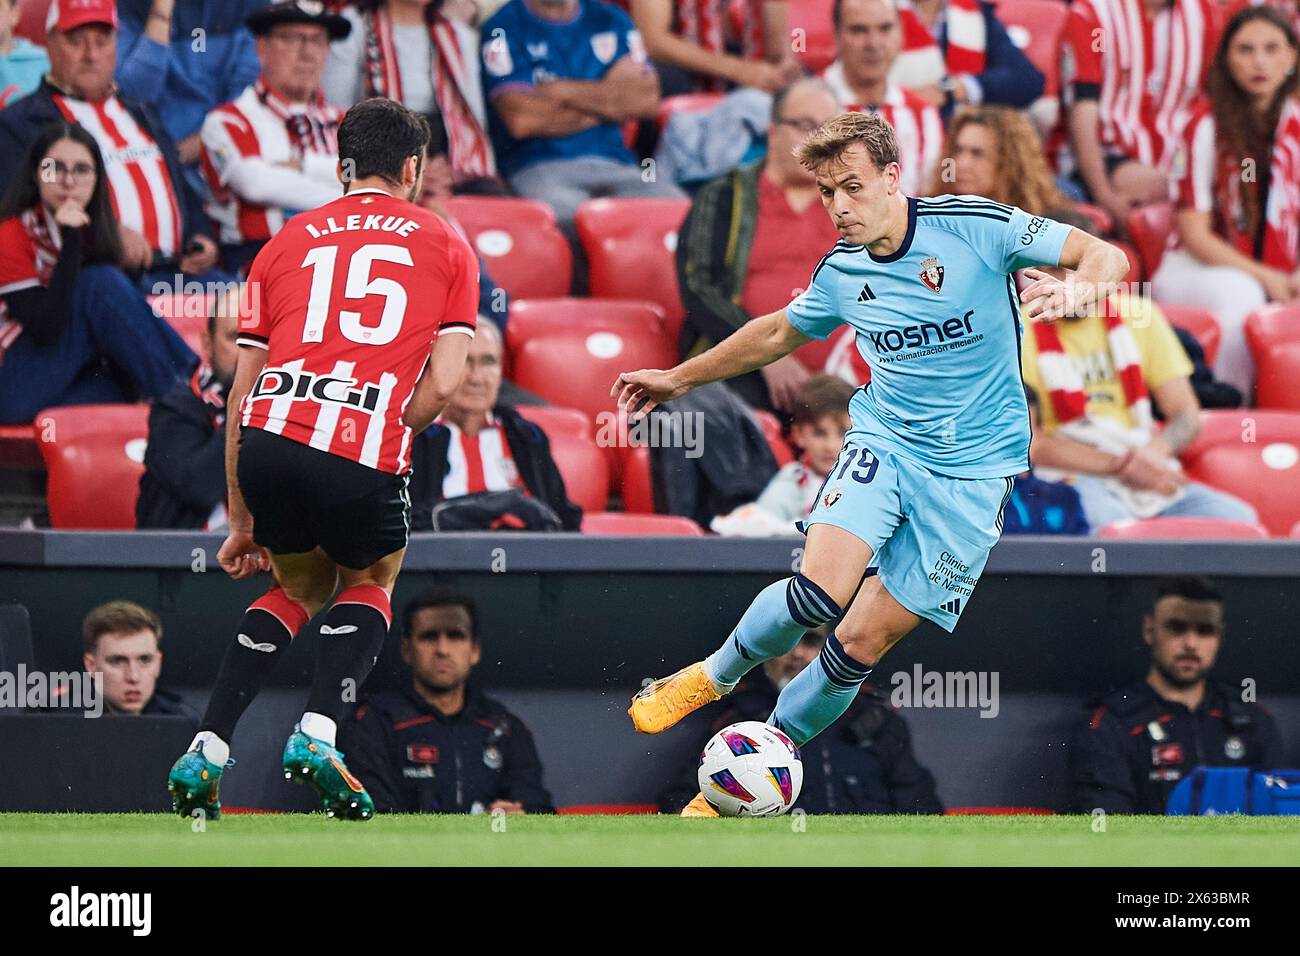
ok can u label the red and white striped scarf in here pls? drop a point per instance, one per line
(1064, 380)
(470, 150)
(43, 232)
(1281, 247)
(921, 62)
(312, 130)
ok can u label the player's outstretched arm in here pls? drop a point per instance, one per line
(239, 556)
(759, 342)
(1098, 267)
(439, 380)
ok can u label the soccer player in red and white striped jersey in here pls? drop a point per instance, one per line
(1135, 68)
(868, 36)
(358, 320)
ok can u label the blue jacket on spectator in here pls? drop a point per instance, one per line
(1043, 507)
(210, 61)
(23, 68)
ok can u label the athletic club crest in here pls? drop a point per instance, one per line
(932, 273)
(605, 45)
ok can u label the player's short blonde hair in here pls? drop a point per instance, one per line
(829, 141)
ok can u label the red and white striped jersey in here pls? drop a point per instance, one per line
(1144, 69)
(247, 146)
(1208, 179)
(139, 185)
(347, 300)
(481, 462)
(917, 127)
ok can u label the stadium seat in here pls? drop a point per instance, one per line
(1037, 27)
(570, 351)
(771, 426)
(31, 20)
(584, 470)
(1148, 229)
(1277, 377)
(1181, 528)
(670, 106)
(814, 18)
(1295, 531)
(18, 448)
(1271, 326)
(617, 809)
(1242, 426)
(1266, 474)
(1102, 221)
(94, 455)
(1200, 322)
(186, 313)
(631, 247)
(618, 522)
(636, 486)
(556, 421)
(522, 247)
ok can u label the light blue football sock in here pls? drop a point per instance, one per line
(775, 621)
(819, 693)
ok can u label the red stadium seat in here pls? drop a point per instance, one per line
(1102, 221)
(1200, 322)
(670, 106)
(1181, 528)
(813, 17)
(617, 522)
(94, 455)
(1277, 377)
(18, 448)
(31, 20)
(1295, 532)
(1252, 427)
(771, 426)
(1271, 326)
(556, 421)
(1264, 474)
(631, 247)
(187, 314)
(522, 247)
(636, 485)
(584, 470)
(570, 351)
(1149, 228)
(1037, 27)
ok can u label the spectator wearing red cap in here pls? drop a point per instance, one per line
(273, 151)
(160, 219)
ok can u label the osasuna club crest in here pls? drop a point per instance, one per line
(830, 497)
(932, 273)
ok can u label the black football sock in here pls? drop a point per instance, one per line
(351, 637)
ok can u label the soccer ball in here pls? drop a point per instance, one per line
(750, 770)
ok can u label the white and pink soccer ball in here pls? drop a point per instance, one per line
(750, 769)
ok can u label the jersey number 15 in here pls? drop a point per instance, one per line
(357, 285)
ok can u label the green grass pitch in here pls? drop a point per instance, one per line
(47, 839)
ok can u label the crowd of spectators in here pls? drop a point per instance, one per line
(148, 139)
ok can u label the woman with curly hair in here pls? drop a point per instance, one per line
(1234, 247)
(994, 151)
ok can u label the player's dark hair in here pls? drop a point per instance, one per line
(1189, 588)
(377, 136)
(118, 617)
(819, 396)
(440, 596)
(100, 240)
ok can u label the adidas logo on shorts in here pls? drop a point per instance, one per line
(952, 607)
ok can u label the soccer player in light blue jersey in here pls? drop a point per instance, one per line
(936, 439)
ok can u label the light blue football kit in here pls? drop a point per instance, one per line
(938, 435)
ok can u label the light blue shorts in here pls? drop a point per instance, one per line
(930, 534)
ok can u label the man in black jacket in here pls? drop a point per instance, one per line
(862, 763)
(478, 445)
(161, 219)
(441, 745)
(1142, 739)
(184, 480)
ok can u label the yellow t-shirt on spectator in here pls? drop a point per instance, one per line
(1163, 359)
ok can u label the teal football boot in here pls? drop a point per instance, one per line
(312, 761)
(193, 783)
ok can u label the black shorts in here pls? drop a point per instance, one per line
(301, 498)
